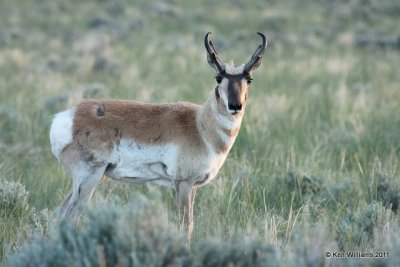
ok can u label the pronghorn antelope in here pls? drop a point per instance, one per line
(180, 145)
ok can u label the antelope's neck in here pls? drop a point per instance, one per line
(217, 126)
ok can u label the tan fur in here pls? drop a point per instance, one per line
(100, 124)
(145, 123)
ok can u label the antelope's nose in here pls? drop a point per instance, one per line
(235, 107)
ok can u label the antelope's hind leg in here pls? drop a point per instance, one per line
(84, 184)
(85, 178)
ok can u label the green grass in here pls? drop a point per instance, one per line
(315, 166)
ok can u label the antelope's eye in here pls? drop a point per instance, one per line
(219, 79)
(249, 80)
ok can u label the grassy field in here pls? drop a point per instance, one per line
(315, 168)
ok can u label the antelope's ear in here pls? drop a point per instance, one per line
(211, 61)
(212, 56)
(255, 60)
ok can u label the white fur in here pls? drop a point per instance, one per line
(214, 164)
(61, 131)
(223, 136)
(210, 147)
(222, 89)
(225, 122)
(233, 70)
(158, 164)
(139, 163)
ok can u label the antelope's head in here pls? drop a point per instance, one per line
(233, 81)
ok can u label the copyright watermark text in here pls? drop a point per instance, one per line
(357, 254)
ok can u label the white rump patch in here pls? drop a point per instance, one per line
(61, 131)
(233, 70)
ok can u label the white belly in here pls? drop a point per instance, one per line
(161, 164)
(144, 163)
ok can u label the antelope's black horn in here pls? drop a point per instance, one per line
(256, 58)
(212, 54)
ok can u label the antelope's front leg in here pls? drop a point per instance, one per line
(185, 194)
